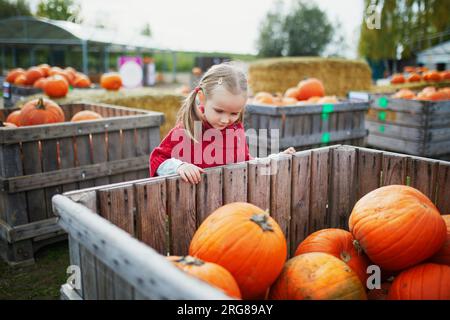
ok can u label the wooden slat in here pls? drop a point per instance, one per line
(88, 274)
(182, 214)
(128, 151)
(67, 156)
(74, 255)
(209, 194)
(394, 169)
(259, 183)
(151, 214)
(300, 200)
(443, 188)
(235, 183)
(369, 171)
(117, 205)
(50, 163)
(343, 186)
(422, 174)
(114, 152)
(99, 155)
(105, 282)
(122, 289)
(84, 157)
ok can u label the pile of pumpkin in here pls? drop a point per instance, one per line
(44, 111)
(428, 93)
(307, 92)
(418, 74)
(241, 250)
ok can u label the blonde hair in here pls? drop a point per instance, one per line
(225, 74)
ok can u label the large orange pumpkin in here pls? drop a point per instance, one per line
(428, 281)
(247, 242)
(20, 80)
(317, 276)
(397, 78)
(13, 74)
(33, 74)
(111, 81)
(443, 255)
(339, 243)
(432, 76)
(40, 111)
(86, 115)
(310, 88)
(56, 86)
(397, 227)
(211, 273)
(81, 81)
(414, 77)
(14, 117)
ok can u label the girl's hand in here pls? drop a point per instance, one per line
(289, 150)
(190, 173)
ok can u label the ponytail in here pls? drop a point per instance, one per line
(188, 114)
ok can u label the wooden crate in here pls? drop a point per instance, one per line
(37, 162)
(420, 128)
(305, 127)
(16, 93)
(119, 234)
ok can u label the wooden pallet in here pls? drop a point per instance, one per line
(37, 162)
(304, 127)
(120, 234)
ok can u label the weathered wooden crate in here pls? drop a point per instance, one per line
(12, 94)
(37, 162)
(305, 127)
(117, 231)
(420, 128)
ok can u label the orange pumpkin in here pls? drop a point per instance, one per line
(397, 78)
(60, 72)
(310, 88)
(414, 77)
(397, 227)
(445, 75)
(40, 111)
(14, 117)
(443, 255)
(82, 81)
(111, 81)
(265, 98)
(86, 115)
(33, 74)
(428, 281)
(438, 96)
(380, 294)
(20, 80)
(56, 86)
(45, 69)
(13, 74)
(338, 243)
(247, 242)
(432, 76)
(286, 101)
(404, 94)
(317, 276)
(291, 93)
(409, 69)
(211, 273)
(40, 83)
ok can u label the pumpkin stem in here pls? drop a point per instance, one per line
(345, 256)
(190, 261)
(357, 246)
(261, 220)
(40, 105)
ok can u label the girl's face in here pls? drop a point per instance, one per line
(222, 108)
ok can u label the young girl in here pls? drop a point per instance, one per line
(209, 130)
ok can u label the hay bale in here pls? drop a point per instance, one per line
(338, 75)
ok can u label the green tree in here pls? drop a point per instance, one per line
(67, 10)
(146, 30)
(10, 8)
(271, 40)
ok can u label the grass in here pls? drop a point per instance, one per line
(40, 281)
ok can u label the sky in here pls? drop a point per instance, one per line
(209, 25)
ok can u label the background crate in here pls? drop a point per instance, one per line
(18, 93)
(37, 162)
(305, 127)
(116, 231)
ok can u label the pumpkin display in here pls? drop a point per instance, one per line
(264, 97)
(20, 80)
(311, 87)
(40, 83)
(428, 281)
(14, 117)
(380, 294)
(33, 74)
(291, 93)
(211, 273)
(45, 69)
(338, 243)
(40, 111)
(56, 86)
(397, 78)
(443, 255)
(13, 74)
(317, 276)
(432, 76)
(85, 115)
(445, 75)
(81, 81)
(404, 94)
(111, 81)
(397, 226)
(414, 77)
(247, 242)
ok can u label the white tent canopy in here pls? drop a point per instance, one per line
(435, 55)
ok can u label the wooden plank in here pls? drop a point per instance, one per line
(320, 159)
(369, 171)
(88, 274)
(423, 174)
(235, 183)
(152, 215)
(143, 142)
(259, 183)
(84, 157)
(394, 144)
(129, 151)
(67, 156)
(75, 259)
(115, 153)
(105, 281)
(99, 155)
(300, 200)
(50, 163)
(394, 168)
(305, 109)
(182, 214)
(443, 187)
(122, 289)
(343, 186)
(209, 194)
(396, 131)
(117, 205)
